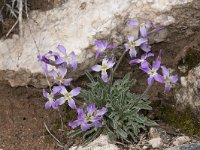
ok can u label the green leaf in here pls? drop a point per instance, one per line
(74, 133)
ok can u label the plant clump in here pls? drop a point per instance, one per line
(107, 105)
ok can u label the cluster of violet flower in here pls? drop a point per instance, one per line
(152, 71)
(55, 66)
(133, 45)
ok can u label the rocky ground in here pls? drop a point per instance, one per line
(22, 118)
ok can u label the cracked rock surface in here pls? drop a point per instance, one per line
(76, 25)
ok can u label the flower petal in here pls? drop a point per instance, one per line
(45, 94)
(61, 48)
(52, 73)
(102, 111)
(60, 101)
(110, 64)
(72, 55)
(85, 127)
(145, 47)
(165, 71)
(99, 44)
(133, 23)
(73, 64)
(140, 41)
(54, 105)
(81, 113)
(174, 79)
(159, 78)
(132, 52)
(75, 91)
(63, 90)
(135, 61)
(143, 30)
(91, 108)
(75, 124)
(97, 53)
(96, 68)
(150, 80)
(97, 124)
(56, 89)
(104, 76)
(156, 64)
(131, 38)
(167, 87)
(67, 82)
(60, 60)
(48, 105)
(71, 104)
(145, 68)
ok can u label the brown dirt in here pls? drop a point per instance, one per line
(22, 117)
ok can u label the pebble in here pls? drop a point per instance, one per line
(156, 142)
(181, 140)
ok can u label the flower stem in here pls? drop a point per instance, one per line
(117, 65)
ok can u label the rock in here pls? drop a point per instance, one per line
(77, 26)
(183, 81)
(185, 147)
(101, 143)
(188, 96)
(156, 142)
(181, 140)
(156, 132)
(153, 133)
(144, 147)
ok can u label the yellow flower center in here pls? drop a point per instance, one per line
(68, 96)
(132, 44)
(152, 72)
(51, 97)
(104, 68)
(167, 80)
(59, 78)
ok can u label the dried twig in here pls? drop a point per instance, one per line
(20, 3)
(56, 139)
(12, 28)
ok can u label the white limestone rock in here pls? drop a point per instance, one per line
(76, 25)
(156, 142)
(181, 140)
(101, 143)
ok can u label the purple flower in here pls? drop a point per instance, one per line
(156, 29)
(51, 100)
(91, 117)
(68, 57)
(168, 79)
(59, 75)
(106, 64)
(145, 47)
(132, 44)
(68, 96)
(144, 27)
(133, 23)
(102, 46)
(153, 72)
(48, 59)
(142, 60)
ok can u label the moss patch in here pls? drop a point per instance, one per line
(191, 60)
(182, 121)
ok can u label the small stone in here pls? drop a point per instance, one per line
(156, 142)
(144, 147)
(153, 133)
(183, 81)
(181, 140)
